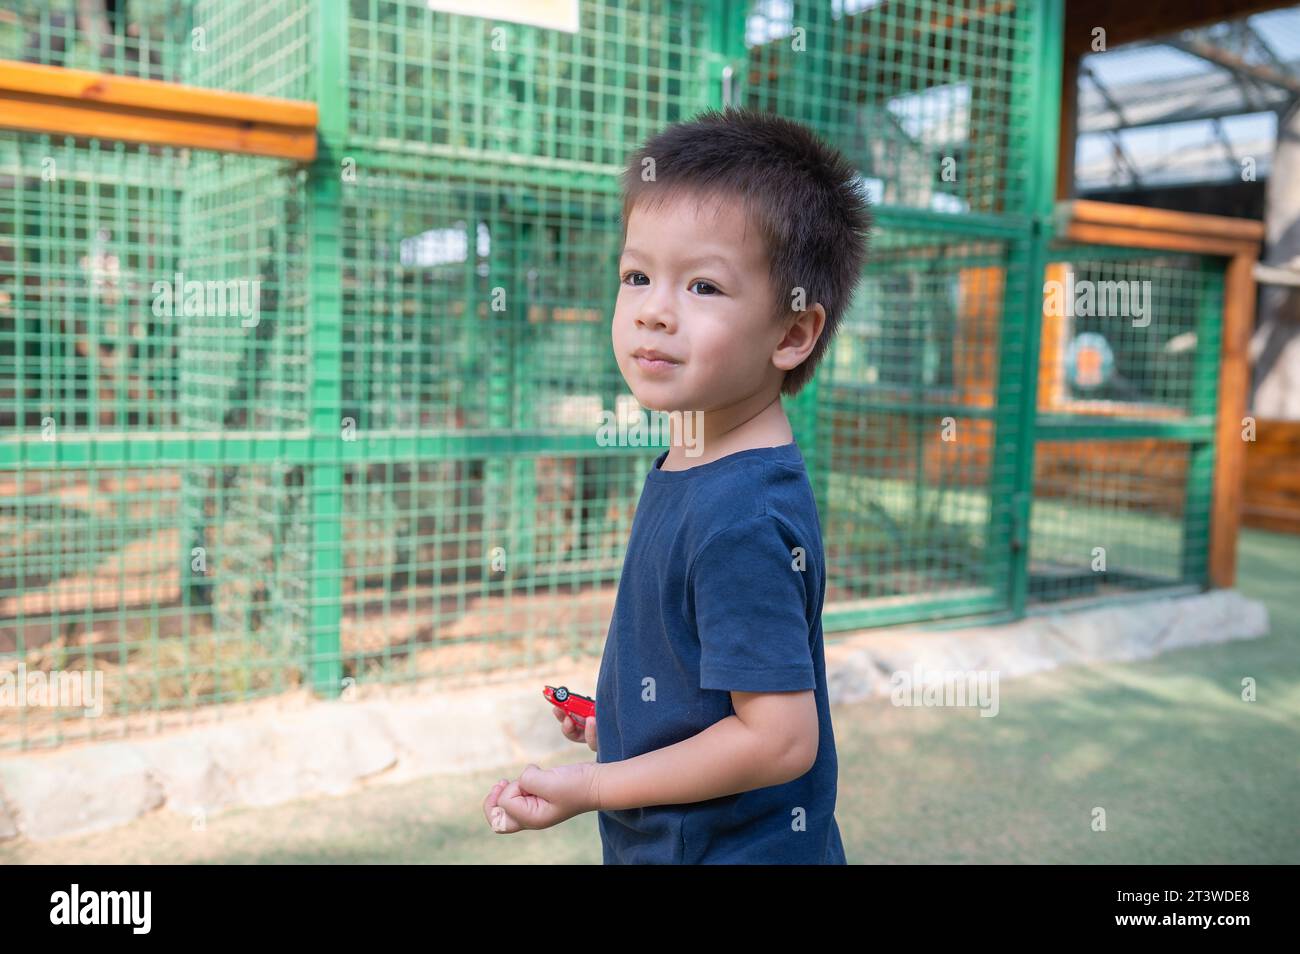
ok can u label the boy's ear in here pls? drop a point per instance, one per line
(801, 334)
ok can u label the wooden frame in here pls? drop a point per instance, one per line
(58, 101)
(1239, 241)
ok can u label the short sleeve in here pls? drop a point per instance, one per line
(749, 585)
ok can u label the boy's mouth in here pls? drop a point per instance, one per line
(654, 362)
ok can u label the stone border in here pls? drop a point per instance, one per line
(330, 748)
(861, 666)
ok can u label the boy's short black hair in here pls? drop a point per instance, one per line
(806, 199)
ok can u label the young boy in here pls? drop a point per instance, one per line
(744, 237)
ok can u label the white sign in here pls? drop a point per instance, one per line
(551, 14)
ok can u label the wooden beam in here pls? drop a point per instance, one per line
(1125, 21)
(1112, 223)
(1165, 220)
(1230, 448)
(57, 101)
(1235, 64)
(1093, 233)
(1271, 489)
(1067, 129)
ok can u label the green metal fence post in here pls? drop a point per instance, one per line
(1042, 118)
(499, 379)
(1204, 401)
(324, 473)
(521, 532)
(726, 46)
(804, 405)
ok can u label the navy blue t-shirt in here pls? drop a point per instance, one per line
(721, 589)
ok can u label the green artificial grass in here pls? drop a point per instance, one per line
(1184, 769)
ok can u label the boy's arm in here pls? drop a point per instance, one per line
(772, 739)
(750, 593)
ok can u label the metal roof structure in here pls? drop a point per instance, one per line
(1197, 107)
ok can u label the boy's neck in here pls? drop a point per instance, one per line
(728, 431)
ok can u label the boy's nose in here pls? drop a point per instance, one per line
(653, 319)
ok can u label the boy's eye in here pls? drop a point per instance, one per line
(712, 289)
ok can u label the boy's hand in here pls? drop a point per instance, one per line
(574, 732)
(540, 797)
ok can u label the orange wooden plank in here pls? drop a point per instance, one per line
(1097, 234)
(976, 345)
(155, 129)
(1051, 352)
(1166, 220)
(57, 101)
(1230, 449)
(1271, 485)
(106, 88)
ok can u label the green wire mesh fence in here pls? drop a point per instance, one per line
(268, 427)
(141, 38)
(1127, 391)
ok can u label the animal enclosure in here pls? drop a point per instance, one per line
(268, 424)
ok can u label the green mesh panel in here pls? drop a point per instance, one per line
(1127, 389)
(393, 472)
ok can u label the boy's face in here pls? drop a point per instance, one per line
(694, 286)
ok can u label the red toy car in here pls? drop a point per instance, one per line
(578, 707)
